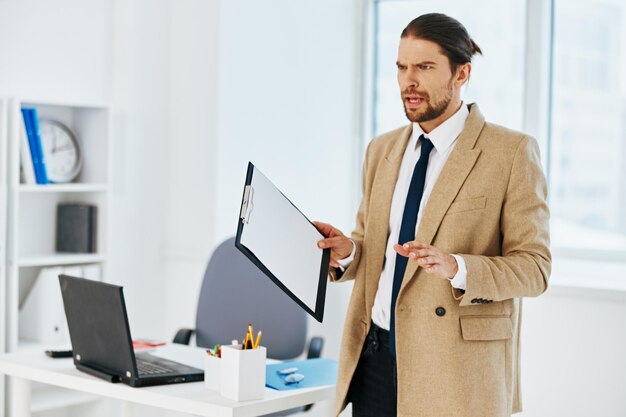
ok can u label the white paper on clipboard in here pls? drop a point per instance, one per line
(280, 240)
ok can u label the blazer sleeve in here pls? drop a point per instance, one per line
(524, 267)
(335, 274)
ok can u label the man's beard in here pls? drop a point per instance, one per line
(433, 110)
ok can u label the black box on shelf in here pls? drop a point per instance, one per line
(76, 228)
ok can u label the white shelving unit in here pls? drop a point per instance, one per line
(3, 218)
(31, 218)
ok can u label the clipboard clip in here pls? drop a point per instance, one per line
(247, 205)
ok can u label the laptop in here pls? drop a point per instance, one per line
(101, 341)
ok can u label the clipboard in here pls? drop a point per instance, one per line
(282, 242)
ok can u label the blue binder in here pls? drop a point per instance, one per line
(42, 161)
(317, 372)
(31, 121)
(31, 142)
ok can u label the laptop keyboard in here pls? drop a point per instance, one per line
(150, 368)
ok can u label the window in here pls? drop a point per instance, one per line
(587, 161)
(584, 144)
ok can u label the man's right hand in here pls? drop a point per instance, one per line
(340, 246)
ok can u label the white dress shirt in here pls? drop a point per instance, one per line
(444, 139)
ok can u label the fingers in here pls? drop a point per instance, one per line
(431, 269)
(422, 253)
(426, 260)
(325, 229)
(428, 257)
(433, 260)
(320, 225)
(414, 252)
(332, 242)
(401, 250)
(417, 245)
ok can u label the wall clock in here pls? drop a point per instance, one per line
(62, 151)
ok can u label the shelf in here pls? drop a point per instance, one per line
(96, 105)
(51, 398)
(32, 215)
(26, 345)
(61, 259)
(63, 188)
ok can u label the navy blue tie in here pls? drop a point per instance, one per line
(407, 230)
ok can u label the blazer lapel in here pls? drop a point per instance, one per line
(450, 181)
(381, 196)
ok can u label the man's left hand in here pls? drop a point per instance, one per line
(434, 261)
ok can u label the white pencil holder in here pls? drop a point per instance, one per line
(243, 373)
(212, 372)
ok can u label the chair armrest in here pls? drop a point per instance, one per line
(183, 336)
(315, 347)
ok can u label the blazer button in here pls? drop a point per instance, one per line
(440, 311)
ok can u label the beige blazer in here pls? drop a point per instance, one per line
(489, 205)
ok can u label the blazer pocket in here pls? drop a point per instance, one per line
(467, 205)
(486, 328)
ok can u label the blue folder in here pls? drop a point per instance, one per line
(317, 372)
(42, 160)
(31, 122)
(28, 124)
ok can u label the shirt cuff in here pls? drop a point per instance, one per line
(459, 281)
(345, 262)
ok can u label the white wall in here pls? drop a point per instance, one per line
(573, 354)
(141, 141)
(165, 120)
(57, 51)
(192, 157)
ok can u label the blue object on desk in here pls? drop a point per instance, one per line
(317, 372)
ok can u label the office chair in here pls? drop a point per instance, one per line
(234, 293)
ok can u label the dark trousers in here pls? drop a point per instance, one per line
(373, 390)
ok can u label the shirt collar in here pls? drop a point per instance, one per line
(444, 135)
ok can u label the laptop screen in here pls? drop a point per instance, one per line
(98, 325)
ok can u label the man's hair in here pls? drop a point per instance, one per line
(448, 33)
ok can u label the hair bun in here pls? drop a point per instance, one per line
(475, 48)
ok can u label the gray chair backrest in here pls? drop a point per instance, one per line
(234, 293)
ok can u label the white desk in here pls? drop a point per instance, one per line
(192, 398)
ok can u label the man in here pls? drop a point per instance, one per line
(432, 328)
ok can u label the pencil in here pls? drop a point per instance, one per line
(251, 333)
